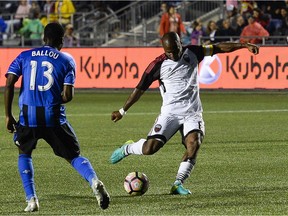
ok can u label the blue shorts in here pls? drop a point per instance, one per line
(61, 138)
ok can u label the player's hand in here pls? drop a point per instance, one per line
(115, 116)
(253, 48)
(10, 124)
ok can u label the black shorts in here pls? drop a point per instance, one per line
(61, 138)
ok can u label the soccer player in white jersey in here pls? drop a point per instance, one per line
(176, 70)
(48, 78)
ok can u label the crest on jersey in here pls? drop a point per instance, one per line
(157, 128)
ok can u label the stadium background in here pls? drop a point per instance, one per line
(242, 164)
(111, 68)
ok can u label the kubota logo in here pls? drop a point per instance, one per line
(207, 75)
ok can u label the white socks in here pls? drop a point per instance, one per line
(135, 148)
(185, 170)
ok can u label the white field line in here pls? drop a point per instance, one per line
(205, 112)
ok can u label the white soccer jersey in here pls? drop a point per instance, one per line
(178, 80)
(179, 85)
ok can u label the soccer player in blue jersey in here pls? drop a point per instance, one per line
(177, 72)
(48, 76)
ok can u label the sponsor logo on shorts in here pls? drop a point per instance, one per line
(157, 128)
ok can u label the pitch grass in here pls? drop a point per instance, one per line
(241, 167)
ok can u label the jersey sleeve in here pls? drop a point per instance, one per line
(15, 67)
(151, 73)
(70, 76)
(71, 71)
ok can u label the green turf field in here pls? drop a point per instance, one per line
(241, 167)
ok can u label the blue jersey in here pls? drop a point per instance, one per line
(44, 72)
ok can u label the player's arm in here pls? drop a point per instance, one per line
(8, 100)
(68, 93)
(133, 98)
(151, 73)
(225, 47)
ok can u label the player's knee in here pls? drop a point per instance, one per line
(194, 144)
(194, 140)
(152, 146)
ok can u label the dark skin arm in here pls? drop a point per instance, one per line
(8, 100)
(68, 93)
(133, 98)
(226, 47)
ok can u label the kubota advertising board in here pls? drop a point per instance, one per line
(123, 67)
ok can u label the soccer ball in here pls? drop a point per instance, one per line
(136, 183)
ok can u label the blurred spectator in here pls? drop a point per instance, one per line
(286, 3)
(260, 17)
(253, 32)
(171, 21)
(246, 7)
(273, 8)
(48, 7)
(230, 13)
(163, 9)
(186, 38)
(283, 29)
(64, 9)
(43, 19)
(49, 11)
(210, 31)
(3, 27)
(233, 3)
(225, 32)
(21, 13)
(241, 23)
(22, 10)
(35, 7)
(196, 33)
(32, 30)
(70, 39)
(284, 20)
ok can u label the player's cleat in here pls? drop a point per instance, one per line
(178, 188)
(101, 194)
(119, 153)
(33, 205)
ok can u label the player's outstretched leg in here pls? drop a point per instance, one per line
(33, 205)
(178, 189)
(120, 153)
(101, 194)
